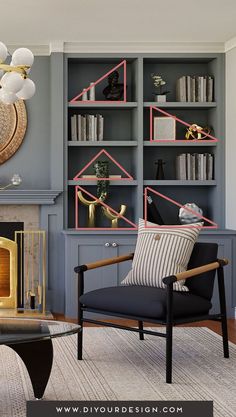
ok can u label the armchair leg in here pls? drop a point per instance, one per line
(169, 333)
(80, 343)
(140, 326)
(169, 341)
(80, 317)
(224, 328)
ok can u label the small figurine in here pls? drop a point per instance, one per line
(197, 132)
(115, 90)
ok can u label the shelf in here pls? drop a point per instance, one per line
(103, 143)
(116, 183)
(99, 232)
(103, 105)
(183, 142)
(38, 197)
(181, 105)
(185, 183)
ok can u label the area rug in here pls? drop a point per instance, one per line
(118, 366)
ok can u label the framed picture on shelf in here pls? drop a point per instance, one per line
(164, 128)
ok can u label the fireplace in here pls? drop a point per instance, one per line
(8, 273)
(9, 269)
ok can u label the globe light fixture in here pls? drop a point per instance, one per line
(14, 81)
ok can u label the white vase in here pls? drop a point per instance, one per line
(160, 98)
(92, 92)
(85, 95)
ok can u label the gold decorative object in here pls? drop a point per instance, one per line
(91, 207)
(13, 122)
(14, 81)
(32, 271)
(112, 216)
(197, 132)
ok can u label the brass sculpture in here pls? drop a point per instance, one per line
(91, 206)
(197, 132)
(112, 216)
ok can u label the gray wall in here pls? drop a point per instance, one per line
(32, 160)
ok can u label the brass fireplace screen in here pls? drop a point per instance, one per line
(23, 272)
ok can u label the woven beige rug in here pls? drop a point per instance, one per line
(117, 366)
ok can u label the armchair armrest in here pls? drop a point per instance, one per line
(103, 262)
(195, 271)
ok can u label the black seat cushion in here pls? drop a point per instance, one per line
(144, 301)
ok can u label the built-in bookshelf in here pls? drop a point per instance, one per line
(126, 134)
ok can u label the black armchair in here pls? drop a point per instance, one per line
(158, 305)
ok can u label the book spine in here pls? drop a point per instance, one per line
(92, 128)
(83, 125)
(177, 167)
(193, 95)
(95, 128)
(74, 127)
(205, 89)
(182, 166)
(87, 126)
(188, 166)
(204, 167)
(178, 90)
(79, 127)
(188, 92)
(193, 167)
(100, 127)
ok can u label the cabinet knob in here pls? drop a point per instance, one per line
(114, 245)
(107, 244)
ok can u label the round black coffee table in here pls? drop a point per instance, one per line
(31, 339)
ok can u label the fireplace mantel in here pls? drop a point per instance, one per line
(39, 197)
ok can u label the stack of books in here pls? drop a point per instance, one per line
(194, 89)
(196, 166)
(87, 127)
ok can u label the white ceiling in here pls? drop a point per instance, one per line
(34, 22)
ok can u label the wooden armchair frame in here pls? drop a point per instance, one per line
(170, 320)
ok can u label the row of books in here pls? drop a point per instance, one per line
(87, 127)
(192, 89)
(197, 166)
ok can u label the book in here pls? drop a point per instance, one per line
(73, 127)
(83, 128)
(181, 167)
(188, 166)
(79, 127)
(100, 126)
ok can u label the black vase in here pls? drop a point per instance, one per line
(160, 170)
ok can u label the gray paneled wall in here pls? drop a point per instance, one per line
(32, 160)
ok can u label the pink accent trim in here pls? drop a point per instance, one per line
(214, 139)
(101, 79)
(77, 177)
(134, 226)
(214, 225)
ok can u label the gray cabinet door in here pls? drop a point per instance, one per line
(82, 250)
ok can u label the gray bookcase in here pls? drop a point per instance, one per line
(125, 138)
(126, 134)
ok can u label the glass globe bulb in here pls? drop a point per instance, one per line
(27, 90)
(7, 97)
(3, 52)
(12, 82)
(16, 180)
(22, 56)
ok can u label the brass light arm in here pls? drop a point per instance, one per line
(22, 69)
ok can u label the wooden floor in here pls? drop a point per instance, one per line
(212, 325)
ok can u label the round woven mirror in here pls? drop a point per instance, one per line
(13, 123)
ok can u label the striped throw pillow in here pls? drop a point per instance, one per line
(160, 252)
